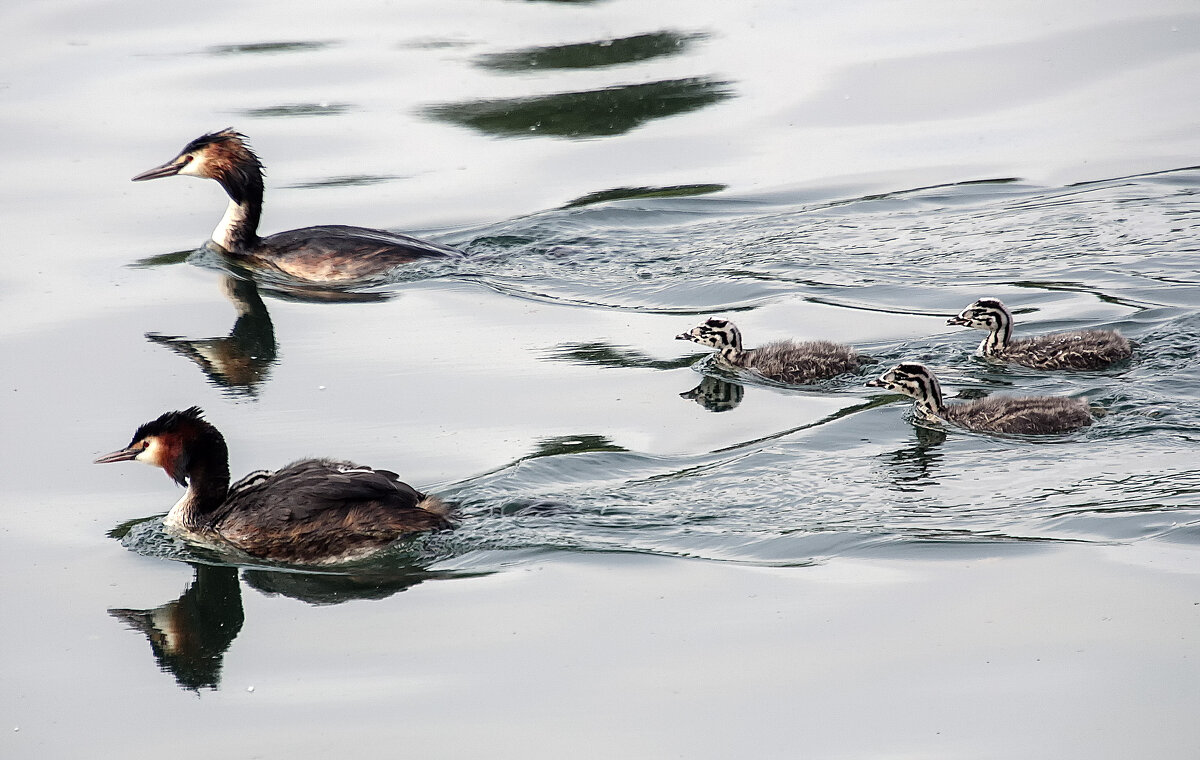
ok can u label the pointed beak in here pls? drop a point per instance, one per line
(876, 383)
(683, 336)
(956, 320)
(124, 455)
(169, 169)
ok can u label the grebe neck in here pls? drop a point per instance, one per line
(237, 231)
(734, 355)
(996, 343)
(730, 340)
(929, 398)
(207, 487)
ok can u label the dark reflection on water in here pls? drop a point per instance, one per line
(912, 468)
(241, 361)
(267, 48)
(599, 353)
(163, 259)
(715, 394)
(586, 55)
(626, 193)
(295, 109)
(562, 445)
(190, 635)
(591, 113)
(331, 588)
(354, 180)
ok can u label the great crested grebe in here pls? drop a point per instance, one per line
(787, 361)
(1034, 415)
(325, 254)
(1082, 349)
(312, 512)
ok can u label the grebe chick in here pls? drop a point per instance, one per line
(1034, 415)
(1081, 349)
(787, 361)
(326, 254)
(312, 512)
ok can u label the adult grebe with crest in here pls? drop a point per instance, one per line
(326, 254)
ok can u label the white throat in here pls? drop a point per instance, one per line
(235, 217)
(177, 519)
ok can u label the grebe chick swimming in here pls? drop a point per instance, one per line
(312, 512)
(1081, 349)
(325, 254)
(787, 361)
(1034, 415)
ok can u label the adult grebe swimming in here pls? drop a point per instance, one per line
(325, 254)
(312, 512)
(1032, 415)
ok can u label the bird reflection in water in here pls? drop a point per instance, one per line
(190, 635)
(911, 468)
(716, 395)
(240, 362)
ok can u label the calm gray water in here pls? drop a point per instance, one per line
(656, 557)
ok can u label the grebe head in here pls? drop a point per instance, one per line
(717, 333)
(224, 156)
(170, 442)
(912, 380)
(985, 314)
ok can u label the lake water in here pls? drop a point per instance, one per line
(656, 557)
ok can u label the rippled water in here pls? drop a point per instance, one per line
(1110, 254)
(847, 471)
(616, 173)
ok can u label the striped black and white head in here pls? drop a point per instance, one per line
(720, 334)
(913, 380)
(987, 314)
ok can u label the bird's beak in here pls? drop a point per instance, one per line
(683, 336)
(876, 383)
(957, 320)
(169, 169)
(124, 455)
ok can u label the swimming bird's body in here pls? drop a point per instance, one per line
(786, 361)
(1079, 350)
(325, 254)
(1034, 415)
(313, 511)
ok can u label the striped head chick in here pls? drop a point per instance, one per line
(1032, 415)
(1075, 350)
